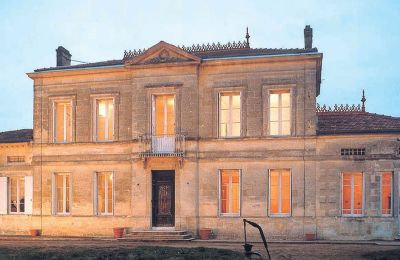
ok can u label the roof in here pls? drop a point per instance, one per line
(16, 136)
(331, 123)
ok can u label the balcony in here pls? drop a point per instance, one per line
(162, 145)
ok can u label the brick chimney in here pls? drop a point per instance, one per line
(63, 56)
(308, 37)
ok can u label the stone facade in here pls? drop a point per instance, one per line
(314, 160)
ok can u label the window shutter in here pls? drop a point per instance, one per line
(3, 195)
(28, 194)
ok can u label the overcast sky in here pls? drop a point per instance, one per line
(360, 40)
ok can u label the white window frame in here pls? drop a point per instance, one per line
(55, 198)
(381, 191)
(230, 123)
(279, 214)
(18, 199)
(352, 195)
(105, 121)
(65, 123)
(280, 121)
(220, 194)
(105, 194)
(153, 112)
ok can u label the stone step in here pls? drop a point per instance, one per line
(153, 235)
(155, 232)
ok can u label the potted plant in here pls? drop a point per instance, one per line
(118, 232)
(205, 233)
(34, 232)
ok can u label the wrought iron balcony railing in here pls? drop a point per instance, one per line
(162, 145)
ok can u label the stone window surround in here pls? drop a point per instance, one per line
(93, 99)
(279, 215)
(243, 111)
(363, 196)
(266, 91)
(95, 193)
(62, 98)
(223, 215)
(54, 194)
(163, 89)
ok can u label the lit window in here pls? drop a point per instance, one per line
(386, 193)
(230, 192)
(62, 193)
(105, 190)
(280, 192)
(164, 115)
(279, 113)
(62, 122)
(229, 114)
(17, 194)
(104, 119)
(352, 194)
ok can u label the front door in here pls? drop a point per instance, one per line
(163, 198)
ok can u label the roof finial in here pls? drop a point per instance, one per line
(247, 38)
(363, 99)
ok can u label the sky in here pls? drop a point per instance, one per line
(360, 40)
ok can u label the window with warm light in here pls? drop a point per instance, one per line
(62, 196)
(230, 192)
(279, 113)
(164, 115)
(17, 194)
(386, 193)
(105, 193)
(352, 194)
(62, 122)
(280, 192)
(104, 120)
(229, 114)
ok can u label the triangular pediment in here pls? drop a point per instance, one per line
(160, 53)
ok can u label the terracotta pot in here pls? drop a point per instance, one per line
(34, 232)
(310, 236)
(205, 233)
(118, 232)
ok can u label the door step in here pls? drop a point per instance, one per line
(158, 236)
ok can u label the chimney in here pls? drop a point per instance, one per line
(63, 56)
(307, 37)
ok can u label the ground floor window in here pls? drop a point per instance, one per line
(386, 193)
(280, 192)
(230, 192)
(17, 194)
(62, 194)
(352, 193)
(105, 193)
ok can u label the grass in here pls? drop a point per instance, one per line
(137, 253)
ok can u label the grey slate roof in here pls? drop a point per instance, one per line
(16, 136)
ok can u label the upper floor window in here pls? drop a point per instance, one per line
(104, 119)
(229, 114)
(386, 193)
(230, 192)
(279, 192)
(279, 113)
(352, 193)
(62, 122)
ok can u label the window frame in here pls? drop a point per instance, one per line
(95, 119)
(229, 124)
(55, 197)
(54, 132)
(352, 215)
(153, 112)
(391, 192)
(280, 214)
(280, 121)
(220, 213)
(18, 194)
(96, 192)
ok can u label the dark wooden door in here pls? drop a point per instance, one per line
(163, 198)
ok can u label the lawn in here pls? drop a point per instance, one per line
(141, 252)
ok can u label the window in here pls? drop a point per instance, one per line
(62, 122)
(62, 195)
(164, 115)
(386, 193)
(104, 119)
(279, 113)
(229, 114)
(105, 193)
(279, 192)
(230, 192)
(15, 159)
(17, 194)
(352, 151)
(352, 194)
